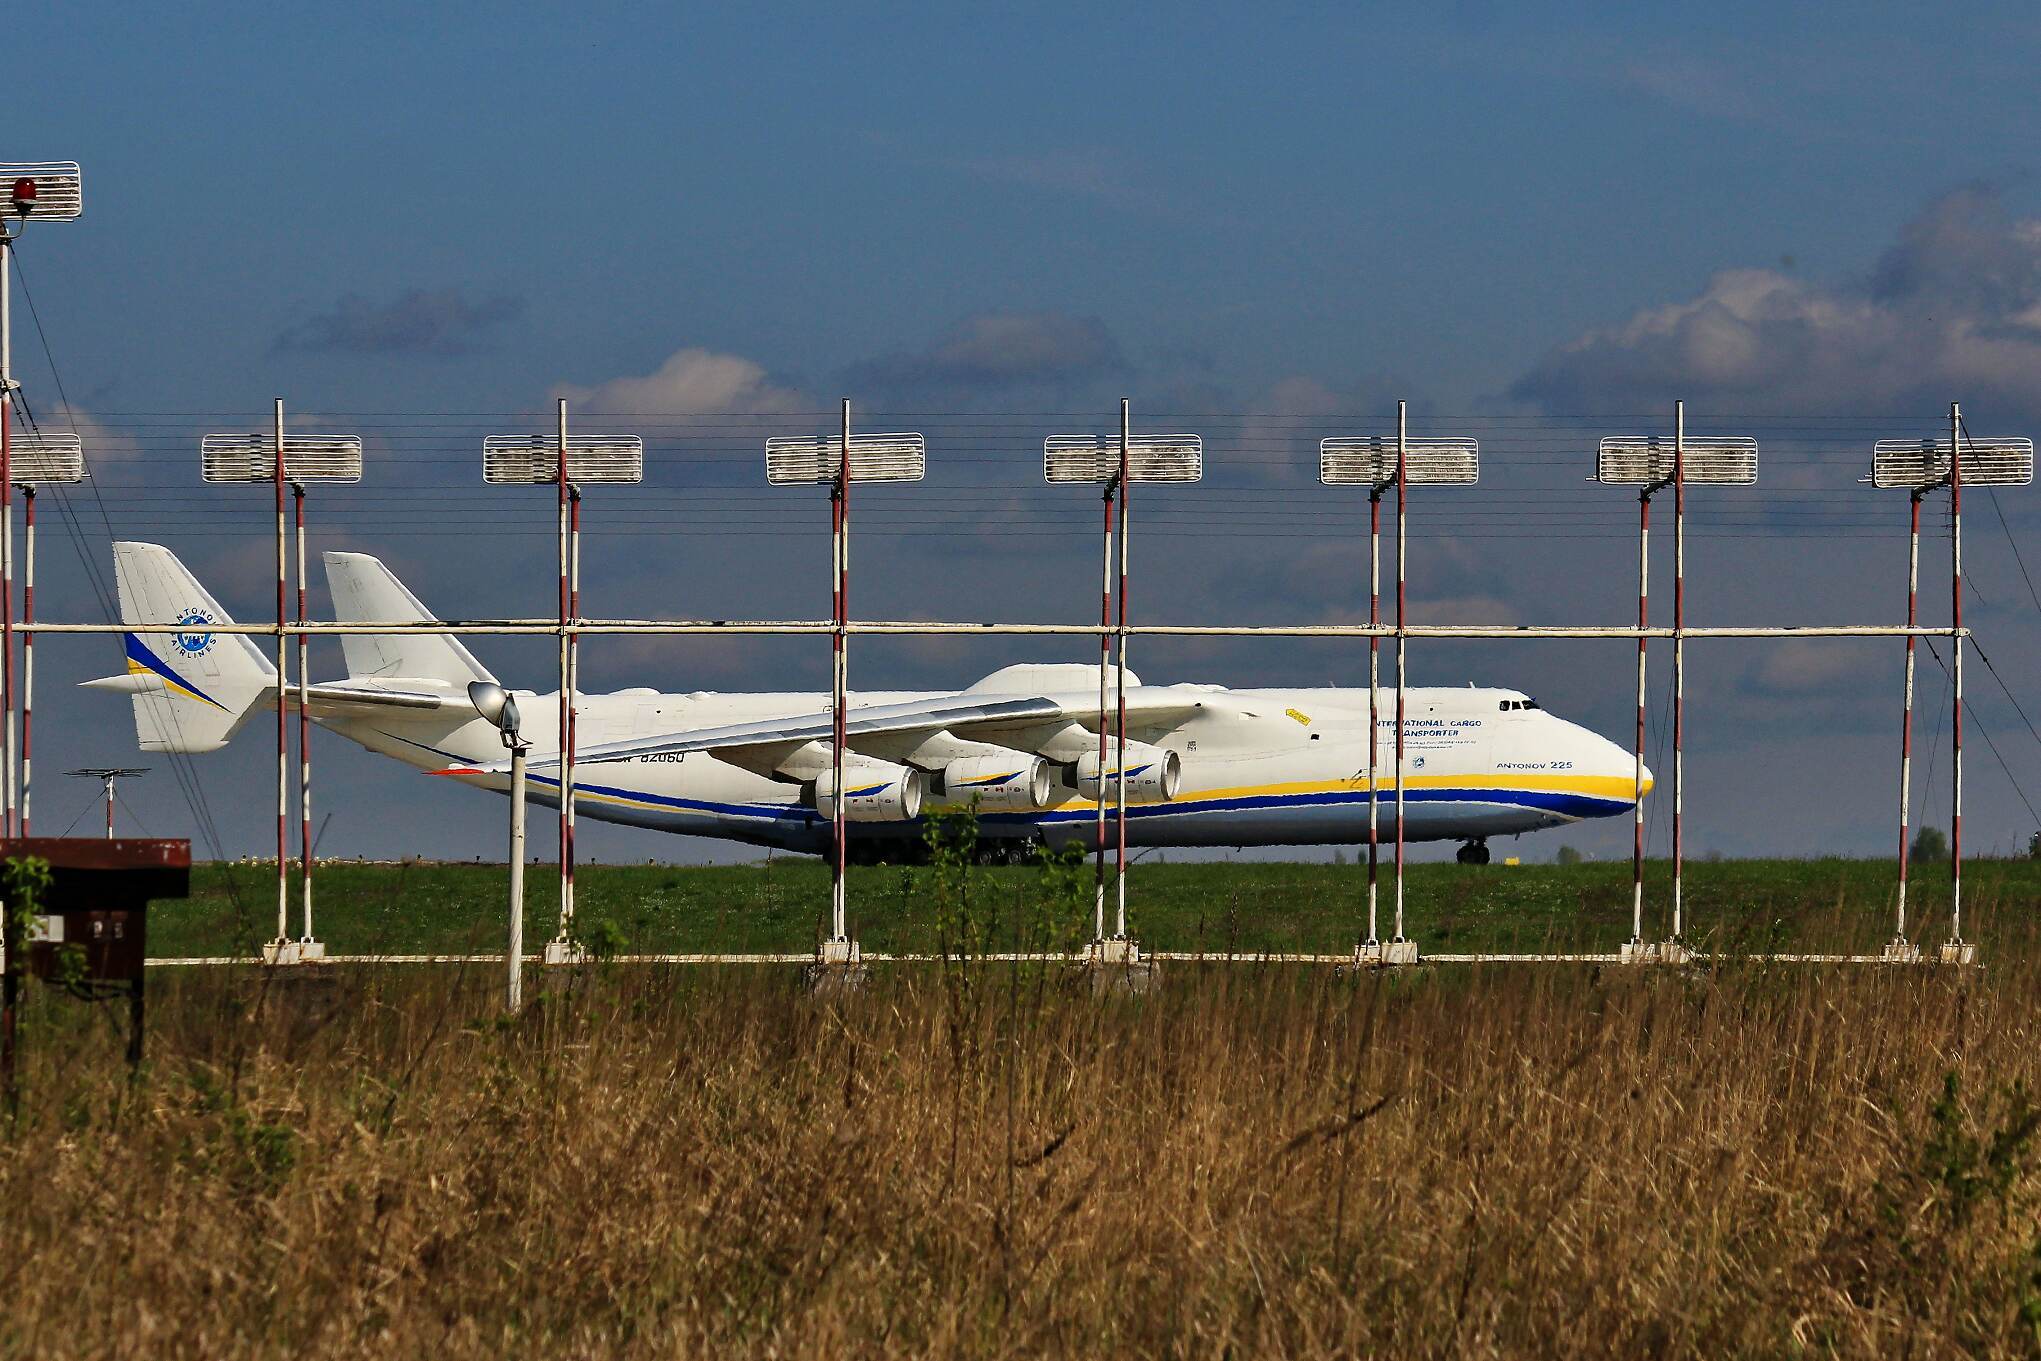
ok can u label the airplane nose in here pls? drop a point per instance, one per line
(1648, 781)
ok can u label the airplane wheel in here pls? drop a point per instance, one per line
(1474, 853)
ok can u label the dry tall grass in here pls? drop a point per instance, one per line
(1508, 1161)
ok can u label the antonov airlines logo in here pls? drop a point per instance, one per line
(193, 638)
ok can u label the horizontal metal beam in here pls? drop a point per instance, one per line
(807, 957)
(926, 628)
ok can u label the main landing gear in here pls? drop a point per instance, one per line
(1474, 853)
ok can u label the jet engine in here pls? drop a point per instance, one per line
(1009, 782)
(1153, 774)
(874, 791)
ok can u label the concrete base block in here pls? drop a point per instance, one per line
(1675, 952)
(560, 951)
(1116, 965)
(1901, 952)
(1958, 952)
(1640, 952)
(839, 967)
(280, 952)
(1378, 954)
(309, 950)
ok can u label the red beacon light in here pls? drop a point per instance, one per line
(23, 195)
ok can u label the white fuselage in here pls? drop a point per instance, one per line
(1270, 767)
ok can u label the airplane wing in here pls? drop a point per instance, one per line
(766, 745)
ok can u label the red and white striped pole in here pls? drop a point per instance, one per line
(283, 777)
(839, 702)
(1913, 582)
(1956, 645)
(1105, 644)
(1643, 621)
(109, 807)
(1120, 683)
(1679, 658)
(304, 730)
(566, 715)
(27, 652)
(567, 772)
(1374, 694)
(1402, 540)
(7, 809)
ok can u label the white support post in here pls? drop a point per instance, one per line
(1402, 687)
(513, 960)
(1636, 944)
(7, 813)
(1374, 940)
(27, 654)
(562, 950)
(1120, 681)
(1955, 945)
(309, 946)
(283, 950)
(1679, 665)
(1105, 644)
(839, 701)
(568, 777)
(1900, 945)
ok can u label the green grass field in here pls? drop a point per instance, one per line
(1247, 907)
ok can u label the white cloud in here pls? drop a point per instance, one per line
(692, 382)
(1951, 311)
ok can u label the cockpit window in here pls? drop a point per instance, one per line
(1510, 705)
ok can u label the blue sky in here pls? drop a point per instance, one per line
(1540, 226)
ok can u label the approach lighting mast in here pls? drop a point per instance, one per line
(1920, 466)
(40, 191)
(1379, 463)
(567, 463)
(1118, 464)
(839, 461)
(283, 459)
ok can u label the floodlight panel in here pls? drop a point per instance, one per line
(306, 458)
(793, 460)
(1370, 461)
(1150, 458)
(39, 459)
(591, 459)
(1992, 462)
(1645, 460)
(59, 190)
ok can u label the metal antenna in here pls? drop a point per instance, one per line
(107, 775)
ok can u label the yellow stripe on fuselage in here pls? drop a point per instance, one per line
(1612, 787)
(1593, 786)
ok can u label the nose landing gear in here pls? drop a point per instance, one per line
(1474, 852)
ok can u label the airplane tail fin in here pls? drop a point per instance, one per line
(363, 589)
(192, 688)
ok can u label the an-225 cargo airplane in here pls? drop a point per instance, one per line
(1206, 766)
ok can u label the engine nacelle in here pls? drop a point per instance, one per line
(1153, 774)
(1011, 782)
(874, 791)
